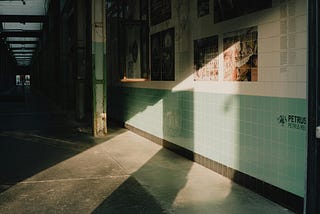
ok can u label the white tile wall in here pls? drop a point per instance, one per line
(275, 76)
(267, 30)
(269, 44)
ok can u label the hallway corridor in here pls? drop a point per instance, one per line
(50, 164)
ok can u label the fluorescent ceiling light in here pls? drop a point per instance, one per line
(23, 54)
(9, 26)
(25, 39)
(23, 46)
(32, 7)
(23, 51)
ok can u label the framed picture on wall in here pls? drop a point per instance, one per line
(206, 59)
(160, 11)
(240, 55)
(224, 10)
(162, 56)
(133, 51)
(203, 7)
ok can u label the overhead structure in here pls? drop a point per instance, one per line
(21, 23)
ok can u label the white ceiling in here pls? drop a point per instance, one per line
(14, 26)
(22, 46)
(17, 7)
(14, 39)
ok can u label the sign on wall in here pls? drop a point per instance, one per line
(292, 121)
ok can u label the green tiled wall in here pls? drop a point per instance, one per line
(242, 132)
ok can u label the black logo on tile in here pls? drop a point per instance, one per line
(292, 121)
(282, 119)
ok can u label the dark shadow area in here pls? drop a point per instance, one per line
(177, 126)
(168, 183)
(178, 119)
(34, 139)
(26, 153)
(8, 67)
(164, 175)
(124, 103)
(13, 94)
(130, 197)
(21, 159)
(153, 188)
(257, 156)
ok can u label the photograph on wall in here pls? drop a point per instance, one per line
(23, 80)
(206, 59)
(162, 55)
(27, 80)
(203, 7)
(18, 80)
(240, 55)
(160, 11)
(229, 9)
(133, 49)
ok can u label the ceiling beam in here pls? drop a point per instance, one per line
(22, 42)
(23, 48)
(25, 33)
(22, 52)
(23, 57)
(23, 18)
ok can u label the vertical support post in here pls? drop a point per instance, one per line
(98, 27)
(312, 196)
(80, 47)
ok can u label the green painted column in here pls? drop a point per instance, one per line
(98, 27)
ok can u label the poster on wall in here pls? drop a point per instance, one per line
(240, 55)
(206, 59)
(203, 7)
(23, 80)
(18, 80)
(27, 80)
(162, 55)
(160, 11)
(224, 10)
(133, 49)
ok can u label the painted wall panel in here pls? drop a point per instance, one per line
(255, 127)
(240, 131)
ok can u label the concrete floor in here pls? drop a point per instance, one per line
(50, 164)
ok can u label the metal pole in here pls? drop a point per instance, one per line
(98, 27)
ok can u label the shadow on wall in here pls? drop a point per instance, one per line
(270, 154)
(236, 131)
(178, 119)
(259, 144)
(144, 107)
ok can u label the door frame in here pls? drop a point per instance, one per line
(312, 196)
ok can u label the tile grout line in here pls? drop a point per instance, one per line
(75, 179)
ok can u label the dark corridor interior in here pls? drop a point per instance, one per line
(47, 93)
(46, 45)
(45, 85)
(35, 135)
